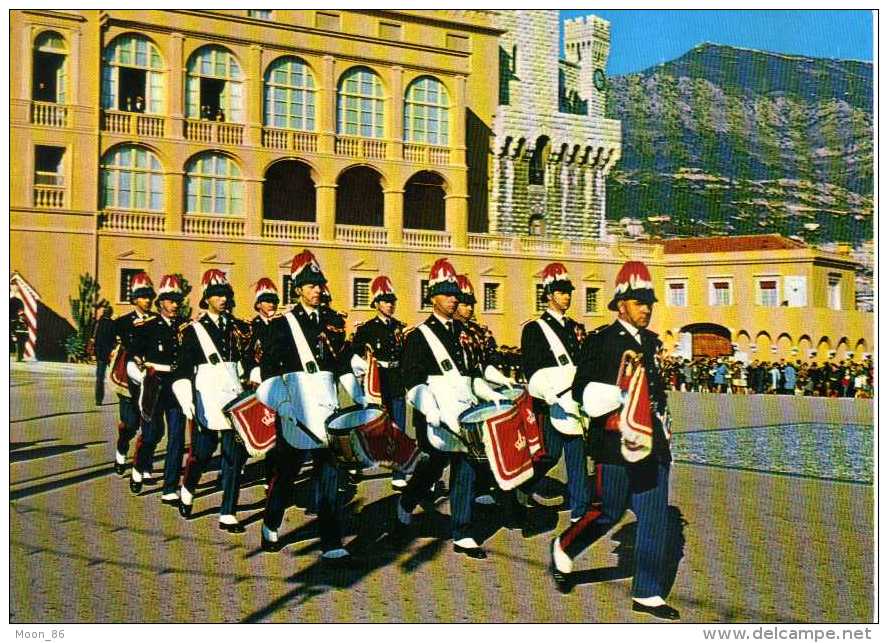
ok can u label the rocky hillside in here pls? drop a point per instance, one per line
(729, 141)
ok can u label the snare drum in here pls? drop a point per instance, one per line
(254, 423)
(512, 394)
(342, 428)
(473, 425)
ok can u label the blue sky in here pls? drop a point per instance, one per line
(642, 38)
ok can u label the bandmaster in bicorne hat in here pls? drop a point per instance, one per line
(633, 282)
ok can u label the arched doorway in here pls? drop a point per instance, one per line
(424, 202)
(359, 199)
(709, 340)
(288, 193)
(824, 346)
(842, 349)
(763, 343)
(806, 347)
(784, 346)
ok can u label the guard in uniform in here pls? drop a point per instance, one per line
(550, 347)
(141, 296)
(483, 350)
(382, 337)
(307, 346)
(154, 354)
(442, 381)
(631, 442)
(207, 377)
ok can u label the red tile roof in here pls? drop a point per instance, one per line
(729, 244)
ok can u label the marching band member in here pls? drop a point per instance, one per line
(442, 380)
(550, 346)
(141, 295)
(306, 347)
(632, 443)
(205, 380)
(155, 351)
(382, 337)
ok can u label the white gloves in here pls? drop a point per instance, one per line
(421, 398)
(600, 399)
(551, 398)
(255, 375)
(496, 376)
(351, 385)
(185, 396)
(135, 373)
(483, 391)
(359, 366)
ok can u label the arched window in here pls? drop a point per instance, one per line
(424, 202)
(132, 75)
(213, 185)
(360, 109)
(426, 112)
(289, 95)
(214, 87)
(49, 68)
(132, 178)
(536, 170)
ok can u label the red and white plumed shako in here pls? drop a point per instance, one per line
(305, 269)
(633, 282)
(265, 290)
(442, 279)
(141, 286)
(466, 290)
(214, 283)
(555, 277)
(382, 290)
(170, 288)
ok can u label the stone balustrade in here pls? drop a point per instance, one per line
(212, 132)
(49, 114)
(354, 147)
(290, 230)
(435, 239)
(49, 197)
(210, 226)
(361, 235)
(129, 123)
(289, 140)
(132, 221)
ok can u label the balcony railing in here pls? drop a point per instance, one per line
(362, 235)
(290, 230)
(210, 226)
(125, 221)
(426, 239)
(427, 154)
(291, 140)
(51, 197)
(49, 114)
(213, 132)
(490, 242)
(542, 245)
(360, 147)
(130, 123)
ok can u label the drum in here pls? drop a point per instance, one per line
(149, 394)
(473, 426)
(342, 428)
(253, 421)
(512, 394)
(117, 374)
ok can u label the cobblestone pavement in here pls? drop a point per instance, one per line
(748, 546)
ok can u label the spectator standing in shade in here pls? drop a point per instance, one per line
(789, 379)
(104, 339)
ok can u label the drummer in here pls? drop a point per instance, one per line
(484, 351)
(280, 356)
(381, 338)
(434, 364)
(155, 351)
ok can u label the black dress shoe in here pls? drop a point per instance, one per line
(171, 501)
(150, 481)
(185, 510)
(236, 528)
(472, 552)
(664, 611)
(120, 469)
(135, 487)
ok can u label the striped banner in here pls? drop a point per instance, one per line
(23, 291)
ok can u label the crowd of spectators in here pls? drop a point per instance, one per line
(720, 375)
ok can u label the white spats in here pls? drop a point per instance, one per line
(186, 496)
(228, 519)
(562, 561)
(269, 534)
(170, 496)
(485, 499)
(398, 483)
(137, 477)
(119, 458)
(335, 553)
(466, 543)
(650, 601)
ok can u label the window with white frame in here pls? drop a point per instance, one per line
(49, 165)
(132, 179)
(834, 291)
(132, 75)
(290, 95)
(49, 64)
(795, 290)
(360, 104)
(491, 302)
(426, 112)
(540, 302)
(287, 290)
(261, 14)
(361, 292)
(766, 292)
(213, 186)
(593, 300)
(677, 293)
(214, 86)
(721, 291)
(423, 292)
(126, 279)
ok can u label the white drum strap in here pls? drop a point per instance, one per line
(207, 345)
(306, 357)
(555, 344)
(440, 353)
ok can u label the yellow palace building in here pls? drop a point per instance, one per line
(180, 140)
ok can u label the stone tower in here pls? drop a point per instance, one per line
(587, 45)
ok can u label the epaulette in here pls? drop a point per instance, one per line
(526, 322)
(599, 329)
(185, 324)
(141, 322)
(408, 329)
